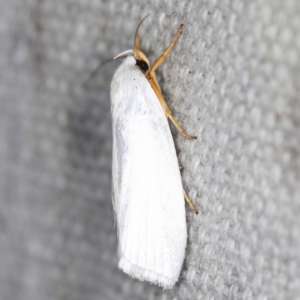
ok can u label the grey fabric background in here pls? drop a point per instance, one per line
(232, 79)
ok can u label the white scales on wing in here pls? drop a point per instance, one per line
(148, 193)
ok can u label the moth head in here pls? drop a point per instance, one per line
(141, 59)
(142, 62)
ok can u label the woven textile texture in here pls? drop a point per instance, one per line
(232, 79)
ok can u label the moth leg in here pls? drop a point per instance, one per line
(189, 201)
(153, 81)
(162, 58)
(166, 108)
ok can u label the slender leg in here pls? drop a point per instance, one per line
(189, 201)
(167, 110)
(162, 58)
(153, 81)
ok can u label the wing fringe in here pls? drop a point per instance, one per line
(146, 275)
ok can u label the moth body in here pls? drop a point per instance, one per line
(148, 197)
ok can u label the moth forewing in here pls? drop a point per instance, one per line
(149, 198)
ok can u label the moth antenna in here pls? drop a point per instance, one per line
(96, 70)
(136, 39)
(123, 54)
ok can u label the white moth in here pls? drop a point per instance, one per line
(148, 196)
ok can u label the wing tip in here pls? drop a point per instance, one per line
(146, 275)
